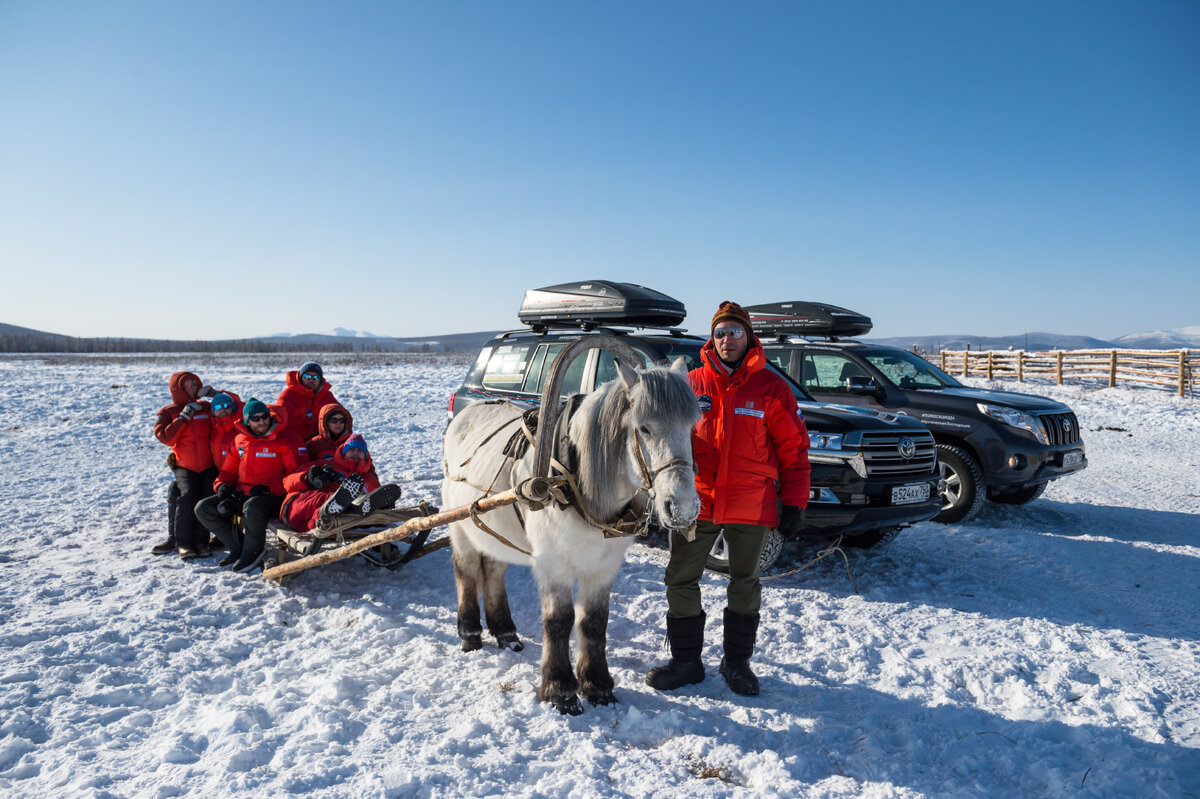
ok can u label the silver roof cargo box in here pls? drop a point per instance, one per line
(812, 319)
(592, 303)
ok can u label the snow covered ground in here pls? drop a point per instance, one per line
(1051, 650)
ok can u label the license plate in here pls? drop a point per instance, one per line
(906, 495)
(1073, 458)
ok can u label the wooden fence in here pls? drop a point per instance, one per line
(1171, 368)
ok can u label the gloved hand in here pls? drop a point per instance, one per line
(316, 477)
(206, 391)
(226, 491)
(259, 491)
(189, 411)
(791, 521)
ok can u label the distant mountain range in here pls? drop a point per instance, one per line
(23, 339)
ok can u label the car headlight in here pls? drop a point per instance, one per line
(824, 440)
(1014, 418)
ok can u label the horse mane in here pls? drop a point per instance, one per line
(599, 429)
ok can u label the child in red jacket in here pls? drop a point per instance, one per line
(345, 484)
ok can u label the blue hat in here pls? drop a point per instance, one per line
(355, 442)
(221, 398)
(311, 366)
(253, 408)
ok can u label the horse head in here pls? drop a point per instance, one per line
(662, 411)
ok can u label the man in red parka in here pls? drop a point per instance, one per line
(305, 394)
(184, 426)
(264, 452)
(751, 451)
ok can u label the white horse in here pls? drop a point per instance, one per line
(628, 444)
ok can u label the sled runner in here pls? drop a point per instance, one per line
(346, 530)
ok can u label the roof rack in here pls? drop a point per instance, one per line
(592, 304)
(807, 319)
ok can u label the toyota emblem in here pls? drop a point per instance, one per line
(1067, 425)
(907, 448)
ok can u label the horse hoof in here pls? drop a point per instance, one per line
(602, 698)
(509, 641)
(567, 704)
(470, 643)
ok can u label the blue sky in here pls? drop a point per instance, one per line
(229, 169)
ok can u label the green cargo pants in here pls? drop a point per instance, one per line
(688, 558)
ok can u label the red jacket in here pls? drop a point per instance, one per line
(220, 438)
(188, 439)
(751, 445)
(261, 460)
(304, 406)
(295, 482)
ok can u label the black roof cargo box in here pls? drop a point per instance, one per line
(814, 319)
(599, 302)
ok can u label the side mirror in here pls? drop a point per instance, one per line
(861, 384)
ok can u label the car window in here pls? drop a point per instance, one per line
(907, 370)
(606, 365)
(540, 369)
(826, 373)
(506, 366)
(782, 359)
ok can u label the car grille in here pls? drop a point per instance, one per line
(1061, 428)
(881, 451)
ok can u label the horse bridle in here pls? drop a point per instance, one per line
(648, 477)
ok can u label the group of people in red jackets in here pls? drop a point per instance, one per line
(298, 459)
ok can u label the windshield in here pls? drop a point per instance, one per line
(907, 370)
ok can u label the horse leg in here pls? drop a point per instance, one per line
(559, 685)
(468, 576)
(595, 681)
(495, 605)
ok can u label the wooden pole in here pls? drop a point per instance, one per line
(966, 359)
(943, 360)
(1059, 370)
(989, 368)
(1112, 370)
(1182, 370)
(1021, 366)
(394, 534)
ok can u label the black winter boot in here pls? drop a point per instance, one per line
(686, 637)
(740, 632)
(381, 498)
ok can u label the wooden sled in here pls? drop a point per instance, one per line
(347, 529)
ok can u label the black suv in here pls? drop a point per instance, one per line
(872, 473)
(999, 444)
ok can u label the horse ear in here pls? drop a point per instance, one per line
(679, 366)
(629, 378)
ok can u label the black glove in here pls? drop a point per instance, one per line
(791, 521)
(225, 491)
(316, 477)
(189, 410)
(259, 491)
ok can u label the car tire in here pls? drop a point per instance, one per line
(871, 538)
(718, 557)
(964, 490)
(1021, 496)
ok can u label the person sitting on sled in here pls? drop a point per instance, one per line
(304, 395)
(251, 480)
(346, 483)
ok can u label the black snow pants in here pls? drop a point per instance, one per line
(193, 487)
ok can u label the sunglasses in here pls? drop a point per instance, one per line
(260, 417)
(220, 406)
(337, 419)
(310, 376)
(732, 332)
